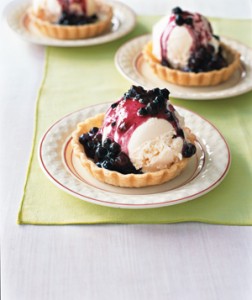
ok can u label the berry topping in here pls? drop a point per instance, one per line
(73, 19)
(204, 59)
(154, 100)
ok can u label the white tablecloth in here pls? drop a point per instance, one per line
(177, 261)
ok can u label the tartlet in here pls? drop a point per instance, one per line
(91, 127)
(104, 15)
(185, 51)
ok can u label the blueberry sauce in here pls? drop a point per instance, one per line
(203, 57)
(108, 146)
(106, 154)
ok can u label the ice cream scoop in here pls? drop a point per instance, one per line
(185, 41)
(141, 132)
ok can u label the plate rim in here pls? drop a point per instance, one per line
(127, 205)
(187, 94)
(48, 41)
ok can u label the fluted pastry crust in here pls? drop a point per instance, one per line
(210, 78)
(116, 178)
(67, 32)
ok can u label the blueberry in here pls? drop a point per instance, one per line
(180, 133)
(138, 89)
(113, 124)
(156, 91)
(99, 164)
(93, 18)
(106, 164)
(114, 105)
(165, 93)
(179, 20)
(84, 138)
(165, 63)
(101, 152)
(216, 37)
(159, 100)
(127, 95)
(188, 21)
(142, 111)
(143, 100)
(115, 148)
(152, 108)
(93, 130)
(98, 138)
(107, 143)
(90, 144)
(177, 10)
(210, 49)
(188, 150)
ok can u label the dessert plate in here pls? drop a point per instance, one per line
(205, 171)
(131, 64)
(123, 22)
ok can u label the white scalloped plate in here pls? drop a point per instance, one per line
(124, 20)
(205, 171)
(131, 64)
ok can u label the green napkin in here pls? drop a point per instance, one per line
(77, 77)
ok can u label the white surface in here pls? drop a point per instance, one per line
(15, 13)
(204, 172)
(131, 64)
(177, 261)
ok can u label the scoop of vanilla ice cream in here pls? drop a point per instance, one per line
(179, 44)
(152, 146)
(176, 43)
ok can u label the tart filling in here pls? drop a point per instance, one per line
(141, 140)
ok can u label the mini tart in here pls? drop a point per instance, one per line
(210, 78)
(67, 32)
(116, 178)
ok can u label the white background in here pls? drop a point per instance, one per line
(176, 261)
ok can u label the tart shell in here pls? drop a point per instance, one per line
(116, 178)
(67, 32)
(178, 77)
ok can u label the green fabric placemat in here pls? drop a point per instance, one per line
(77, 77)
